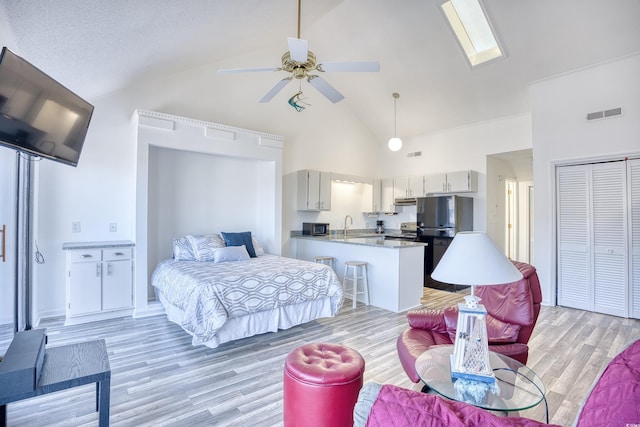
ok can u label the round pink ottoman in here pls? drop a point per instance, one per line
(321, 385)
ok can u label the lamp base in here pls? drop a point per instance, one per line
(488, 378)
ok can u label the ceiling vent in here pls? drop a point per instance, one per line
(614, 112)
(415, 154)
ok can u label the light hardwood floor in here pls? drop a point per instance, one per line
(160, 379)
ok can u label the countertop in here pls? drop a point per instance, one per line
(367, 239)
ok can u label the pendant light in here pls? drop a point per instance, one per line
(395, 143)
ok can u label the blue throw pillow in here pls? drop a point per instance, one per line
(239, 239)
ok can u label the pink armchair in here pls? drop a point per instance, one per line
(512, 314)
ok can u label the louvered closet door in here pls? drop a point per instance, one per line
(633, 174)
(593, 262)
(574, 276)
(609, 222)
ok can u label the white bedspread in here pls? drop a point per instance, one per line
(208, 294)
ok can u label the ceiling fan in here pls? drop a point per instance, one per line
(301, 63)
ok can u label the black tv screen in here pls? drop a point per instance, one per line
(38, 115)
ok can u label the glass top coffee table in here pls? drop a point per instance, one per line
(520, 387)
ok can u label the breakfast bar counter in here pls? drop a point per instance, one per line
(395, 267)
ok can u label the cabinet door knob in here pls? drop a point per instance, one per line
(97, 270)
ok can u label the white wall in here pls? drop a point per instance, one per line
(102, 189)
(196, 193)
(561, 133)
(7, 208)
(460, 149)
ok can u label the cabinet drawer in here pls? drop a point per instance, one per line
(113, 254)
(86, 255)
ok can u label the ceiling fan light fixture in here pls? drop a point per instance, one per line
(395, 143)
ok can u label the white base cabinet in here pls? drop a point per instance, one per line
(99, 282)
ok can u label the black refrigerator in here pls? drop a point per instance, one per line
(439, 218)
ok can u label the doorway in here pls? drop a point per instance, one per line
(510, 203)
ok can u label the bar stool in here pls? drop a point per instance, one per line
(356, 271)
(327, 260)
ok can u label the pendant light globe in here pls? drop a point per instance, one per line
(395, 144)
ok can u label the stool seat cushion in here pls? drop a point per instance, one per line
(325, 364)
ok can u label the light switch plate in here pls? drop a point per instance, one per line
(113, 227)
(75, 227)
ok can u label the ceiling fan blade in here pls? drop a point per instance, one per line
(298, 49)
(247, 70)
(325, 88)
(373, 66)
(274, 90)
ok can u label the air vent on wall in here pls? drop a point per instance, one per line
(415, 154)
(606, 113)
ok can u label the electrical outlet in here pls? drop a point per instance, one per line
(75, 227)
(113, 227)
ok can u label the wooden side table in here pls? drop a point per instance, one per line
(72, 366)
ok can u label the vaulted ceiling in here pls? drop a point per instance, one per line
(99, 46)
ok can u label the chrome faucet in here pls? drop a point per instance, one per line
(345, 224)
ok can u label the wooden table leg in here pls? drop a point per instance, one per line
(103, 395)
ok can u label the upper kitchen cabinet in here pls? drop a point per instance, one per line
(371, 197)
(408, 187)
(386, 195)
(314, 191)
(452, 182)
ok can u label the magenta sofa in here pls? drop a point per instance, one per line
(512, 314)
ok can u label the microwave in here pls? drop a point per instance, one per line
(315, 229)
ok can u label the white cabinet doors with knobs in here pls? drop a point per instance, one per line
(408, 186)
(99, 281)
(314, 191)
(116, 280)
(452, 182)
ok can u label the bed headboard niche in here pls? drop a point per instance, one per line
(197, 177)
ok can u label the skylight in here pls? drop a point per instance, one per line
(471, 27)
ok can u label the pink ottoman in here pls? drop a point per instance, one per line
(321, 385)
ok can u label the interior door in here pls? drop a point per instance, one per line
(574, 235)
(593, 272)
(633, 177)
(7, 243)
(609, 205)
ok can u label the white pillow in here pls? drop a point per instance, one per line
(182, 249)
(231, 253)
(204, 246)
(257, 247)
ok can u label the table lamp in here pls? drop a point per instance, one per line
(472, 259)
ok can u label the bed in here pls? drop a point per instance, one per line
(219, 293)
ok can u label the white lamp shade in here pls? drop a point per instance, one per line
(395, 144)
(473, 259)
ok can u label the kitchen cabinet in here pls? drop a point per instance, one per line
(408, 186)
(386, 195)
(371, 197)
(452, 182)
(314, 191)
(99, 282)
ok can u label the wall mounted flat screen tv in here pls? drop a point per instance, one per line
(38, 115)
